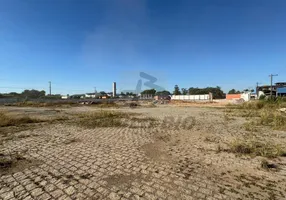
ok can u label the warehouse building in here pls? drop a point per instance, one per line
(280, 89)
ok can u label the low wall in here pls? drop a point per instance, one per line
(233, 96)
(192, 97)
(244, 96)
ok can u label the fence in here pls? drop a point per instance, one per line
(8, 101)
(18, 100)
(202, 97)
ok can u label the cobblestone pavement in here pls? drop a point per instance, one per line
(63, 161)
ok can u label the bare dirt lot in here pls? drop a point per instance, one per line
(162, 152)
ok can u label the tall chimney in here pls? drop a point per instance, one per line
(114, 89)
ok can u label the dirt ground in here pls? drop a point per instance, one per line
(182, 155)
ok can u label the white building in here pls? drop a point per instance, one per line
(65, 96)
(91, 95)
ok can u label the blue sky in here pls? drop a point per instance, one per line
(79, 45)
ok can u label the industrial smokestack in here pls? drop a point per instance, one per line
(114, 89)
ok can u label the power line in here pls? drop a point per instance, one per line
(271, 80)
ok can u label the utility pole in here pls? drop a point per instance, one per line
(50, 87)
(257, 84)
(271, 79)
(95, 92)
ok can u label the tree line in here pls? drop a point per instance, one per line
(216, 91)
(34, 94)
(233, 91)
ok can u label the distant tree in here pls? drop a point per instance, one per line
(54, 96)
(233, 91)
(176, 90)
(102, 93)
(9, 95)
(15, 94)
(151, 91)
(33, 93)
(216, 91)
(164, 93)
(247, 90)
(123, 94)
(184, 91)
(76, 96)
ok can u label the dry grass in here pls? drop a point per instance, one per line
(242, 113)
(15, 162)
(261, 112)
(227, 117)
(6, 161)
(106, 104)
(6, 120)
(144, 119)
(258, 105)
(73, 140)
(256, 148)
(11, 124)
(250, 126)
(266, 165)
(139, 122)
(113, 119)
(102, 119)
(274, 119)
(44, 104)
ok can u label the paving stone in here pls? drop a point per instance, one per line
(114, 196)
(111, 163)
(28, 198)
(57, 193)
(44, 196)
(7, 195)
(137, 191)
(70, 190)
(37, 192)
(64, 197)
(50, 187)
(30, 187)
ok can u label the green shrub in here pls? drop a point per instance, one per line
(262, 97)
